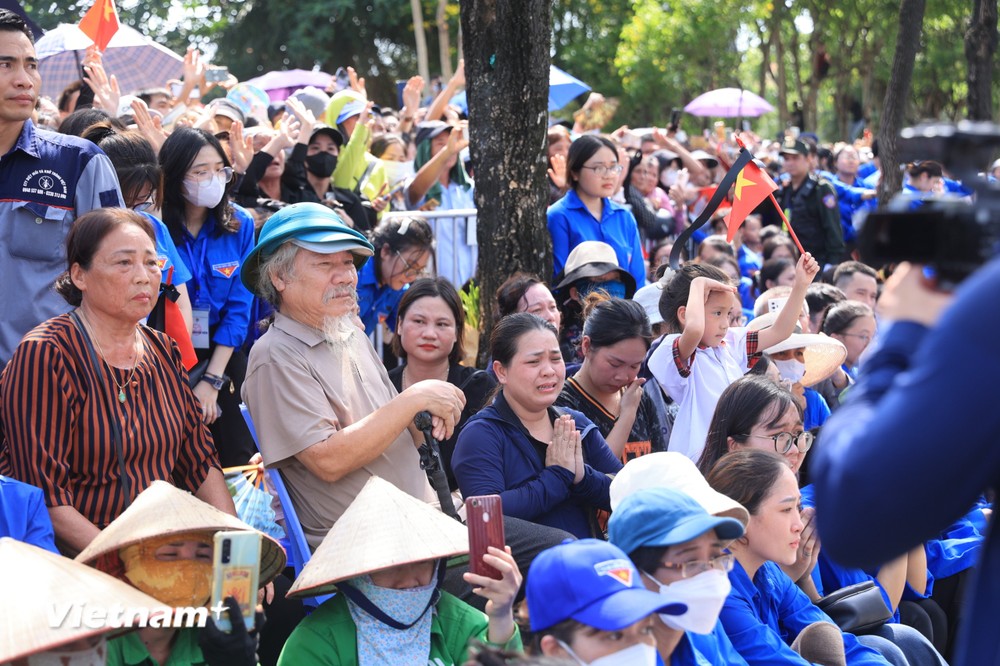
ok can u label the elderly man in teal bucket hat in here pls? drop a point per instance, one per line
(322, 404)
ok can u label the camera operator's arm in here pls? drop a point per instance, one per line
(919, 429)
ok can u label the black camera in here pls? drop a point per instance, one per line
(954, 237)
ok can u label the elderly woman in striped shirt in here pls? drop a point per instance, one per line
(95, 405)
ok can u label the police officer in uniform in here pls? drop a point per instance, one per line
(810, 203)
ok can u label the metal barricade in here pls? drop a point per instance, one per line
(452, 229)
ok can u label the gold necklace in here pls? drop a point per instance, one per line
(135, 362)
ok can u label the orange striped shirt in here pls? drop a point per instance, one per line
(56, 409)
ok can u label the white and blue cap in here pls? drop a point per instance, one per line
(664, 517)
(311, 226)
(350, 110)
(594, 583)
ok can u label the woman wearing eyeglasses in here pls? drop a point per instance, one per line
(213, 237)
(766, 615)
(403, 248)
(755, 413)
(678, 547)
(588, 213)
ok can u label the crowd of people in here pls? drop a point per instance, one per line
(197, 287)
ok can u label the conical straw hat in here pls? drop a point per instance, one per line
(161, 510)
(45, 585)
(822, 354)
(383, 527)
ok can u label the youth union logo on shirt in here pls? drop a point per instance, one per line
(46, 182)
(227, 269)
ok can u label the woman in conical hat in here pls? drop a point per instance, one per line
(162, 545)
(385, 558)
(44, 605)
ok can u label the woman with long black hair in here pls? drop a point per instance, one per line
(213, 237)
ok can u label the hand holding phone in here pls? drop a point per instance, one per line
(484, 518)
(236, 573)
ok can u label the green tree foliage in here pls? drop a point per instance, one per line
(832, 58)
(671, 52)
(585, 36)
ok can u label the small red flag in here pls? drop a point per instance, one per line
(752, 186)
(100, 23)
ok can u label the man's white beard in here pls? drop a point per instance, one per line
(339, 331)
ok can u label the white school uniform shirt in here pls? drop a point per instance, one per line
(695, 384)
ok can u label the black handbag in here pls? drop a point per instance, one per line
(857, 609)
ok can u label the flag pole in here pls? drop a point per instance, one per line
(791, 232)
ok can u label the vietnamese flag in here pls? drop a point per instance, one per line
(752, 186)
(100, 23)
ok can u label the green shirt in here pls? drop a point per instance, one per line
(328, 636)
(128, 650)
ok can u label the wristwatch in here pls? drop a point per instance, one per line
(215, 381)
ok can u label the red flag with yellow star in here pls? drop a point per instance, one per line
(100, 23)
(752, 186)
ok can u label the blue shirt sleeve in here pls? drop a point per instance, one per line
(638, 265)
(890, 443)
(234, 311)
(797, 612)
(24, 516)
(558, 224)
(166, 252)
(756, 642)
(478, 464)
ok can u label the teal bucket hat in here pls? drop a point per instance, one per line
(310, 225)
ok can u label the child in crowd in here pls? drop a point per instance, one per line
(703, 355)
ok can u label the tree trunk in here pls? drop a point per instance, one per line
(779, 57)
(423, 65)
(911, 21)
(980, 49)
(507, 69)
(765, 61)
(444, 40)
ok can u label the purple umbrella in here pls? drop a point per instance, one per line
(729, 103)
(279, 85)
(137, 61)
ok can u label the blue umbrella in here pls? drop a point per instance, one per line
(563, 89)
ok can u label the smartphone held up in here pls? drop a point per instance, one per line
(484, 518)
(236, 573)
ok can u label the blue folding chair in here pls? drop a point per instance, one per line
(295, 544)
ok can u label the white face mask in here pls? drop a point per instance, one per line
(704, 595)
(207, 194)
(397, 172)
(791, 370)
(639, 654)
(668, 177)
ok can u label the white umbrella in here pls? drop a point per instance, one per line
(136, 60)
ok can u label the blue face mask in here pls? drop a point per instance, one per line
(614, 288)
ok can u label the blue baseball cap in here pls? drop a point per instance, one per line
(310, 225)
(592, 582)
(350, 110)
(664, 517)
